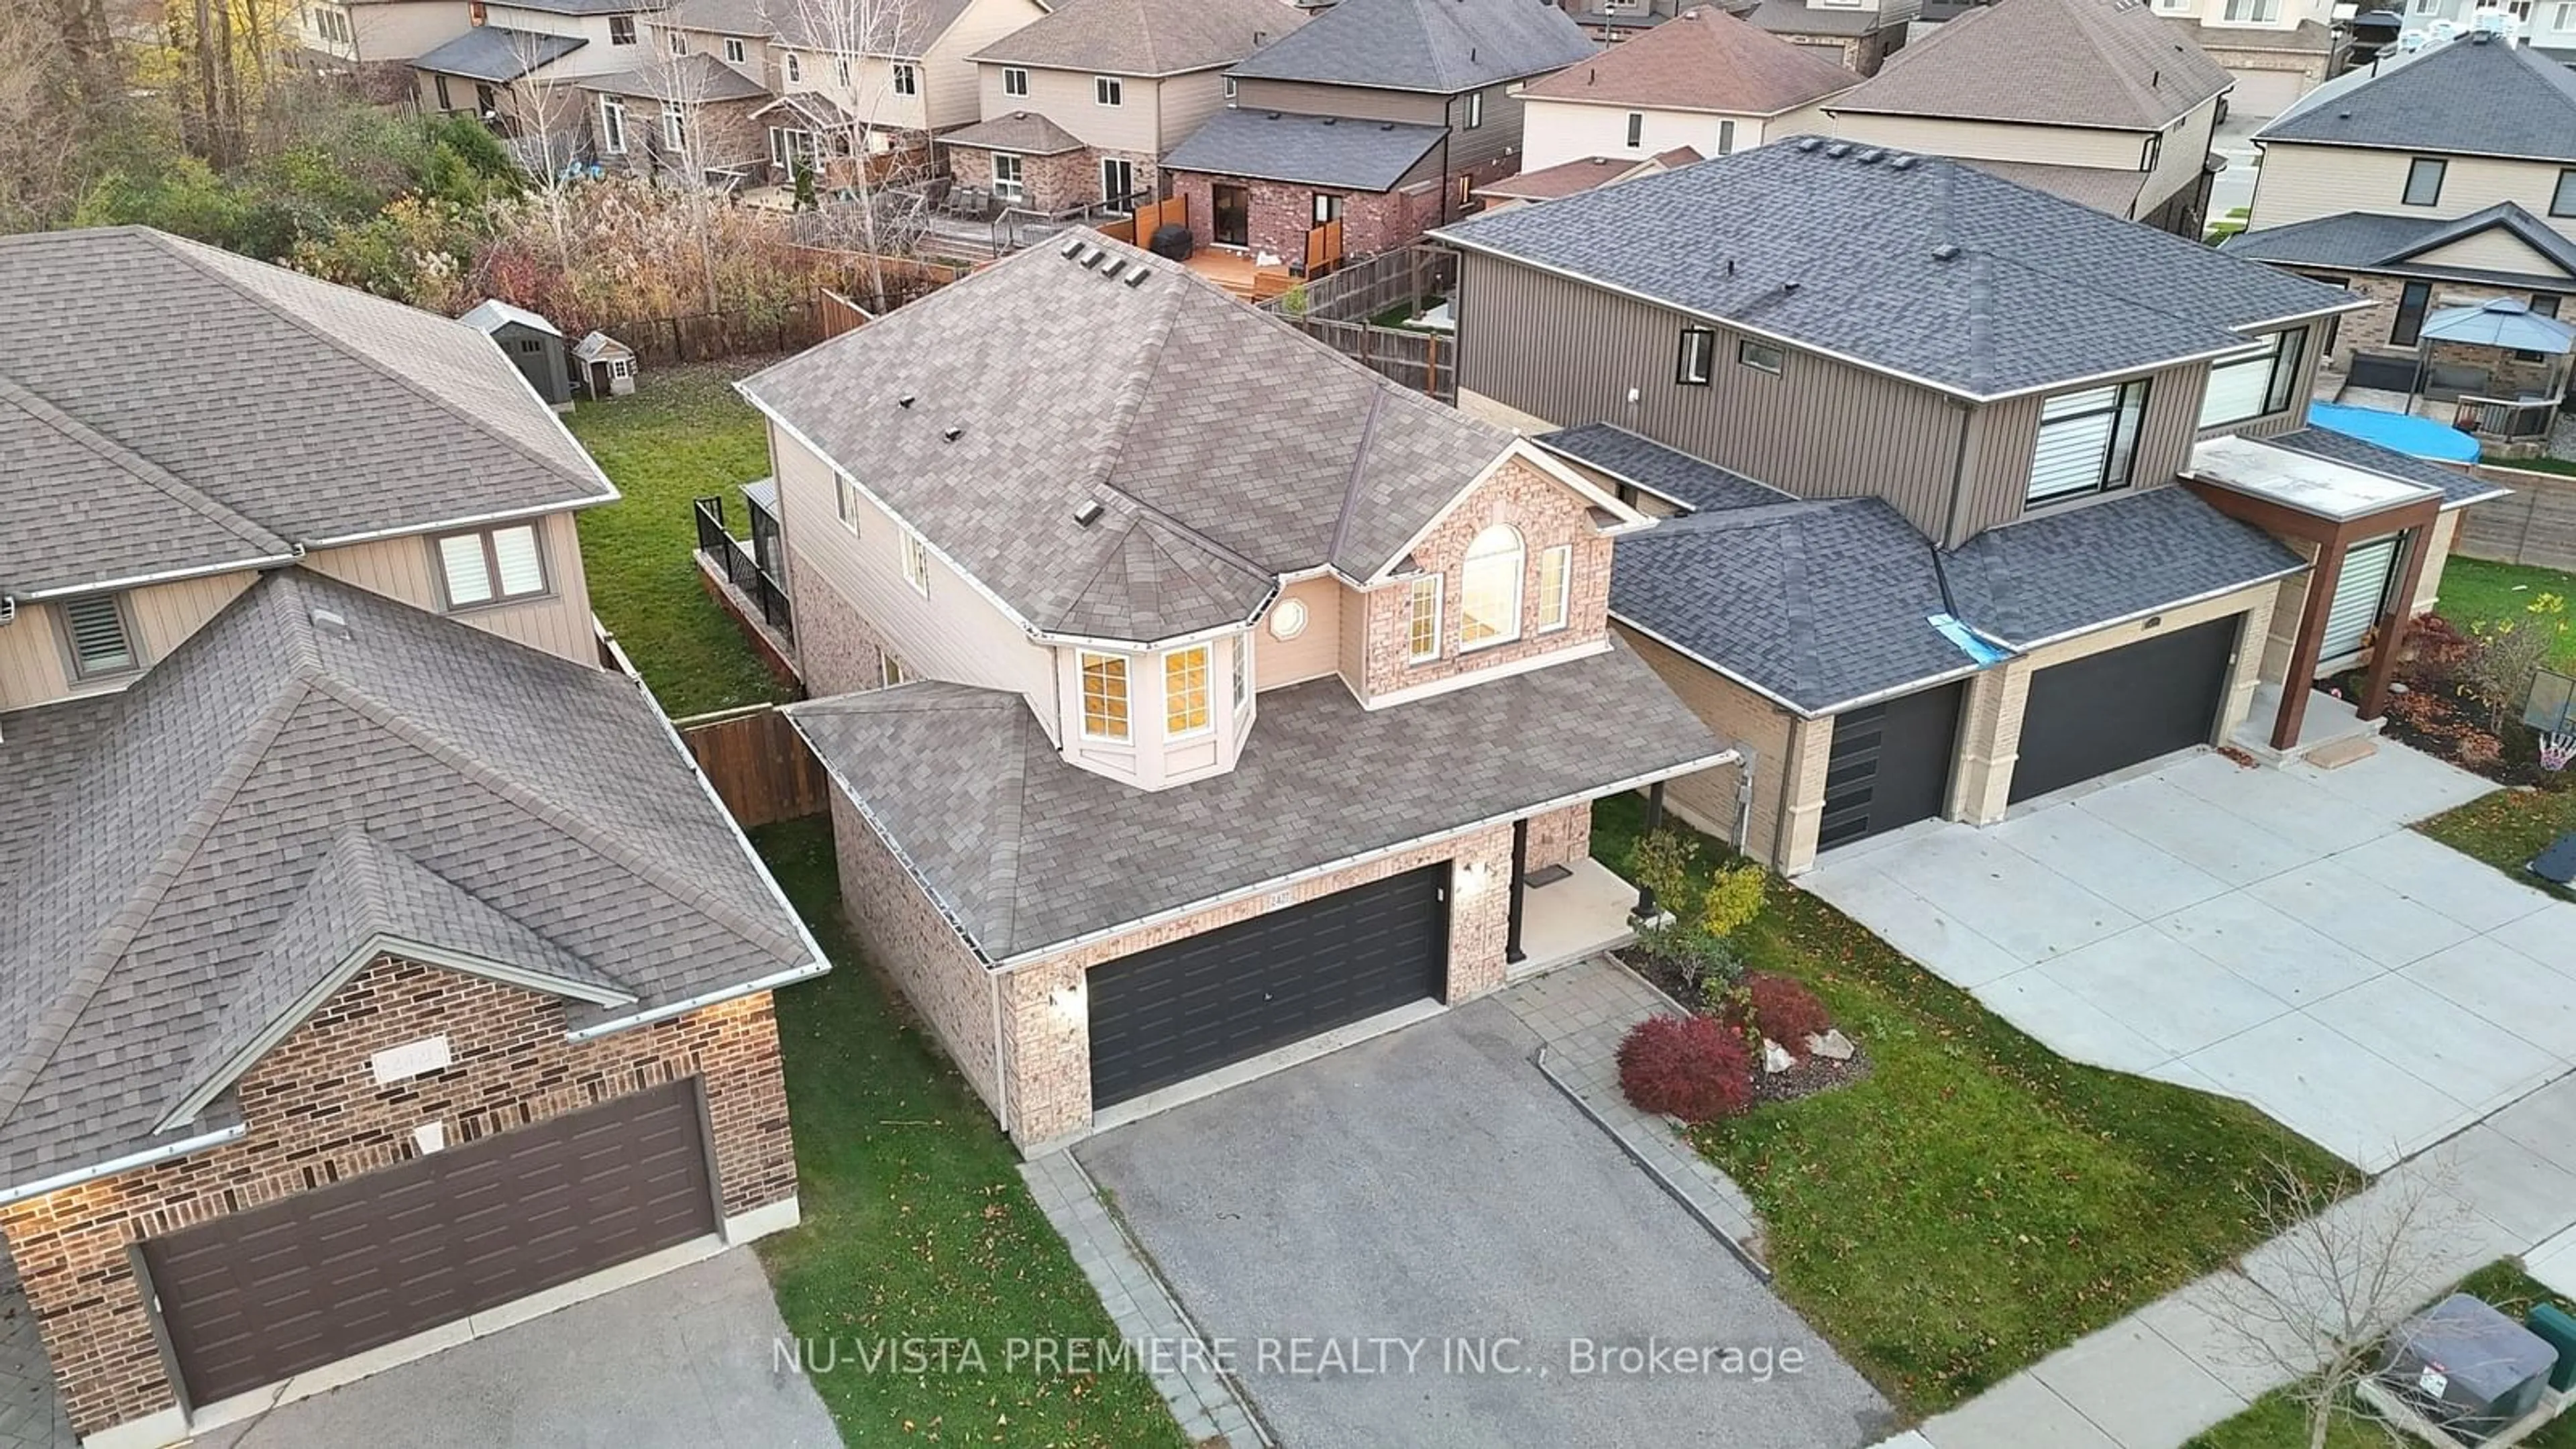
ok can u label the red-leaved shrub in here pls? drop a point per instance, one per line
(1689, 1067)
(1781, 1008)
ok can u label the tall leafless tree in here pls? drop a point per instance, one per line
(543, 119)
(858, 40)
(682, 143)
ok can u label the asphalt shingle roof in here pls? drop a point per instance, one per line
(1441, 46)
(165, 845)
(691, 79)
(2108, 63)
(249, 409)
(1796, 17)
(2098, 187)
(2367, 240)
(494, 53)
(1693, 482)
(1975, 285)
(2458, 485)
(1025, 132)
(1145, 37)
(1703, 60)
(1224, 447)
(2464, 97)
(1314, 150)
(2062, 572)
(1008, 836)
(917, 23)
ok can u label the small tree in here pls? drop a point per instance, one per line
(2504, 656)
(1703, 915)
(1689, 1067)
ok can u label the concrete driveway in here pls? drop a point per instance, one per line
(2277, 935)
(680, 1361)
(1375, 1217)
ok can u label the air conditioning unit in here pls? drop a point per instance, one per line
(2467, 1368)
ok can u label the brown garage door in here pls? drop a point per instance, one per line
(262, 1295)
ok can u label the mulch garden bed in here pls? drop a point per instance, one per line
(1805, 1079)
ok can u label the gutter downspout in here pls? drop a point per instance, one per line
(1001, 1079)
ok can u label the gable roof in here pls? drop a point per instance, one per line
(2108, 63)
(1700, 60)
(497, 54)
(693, 79)
(1145, 37)
(2473, 96)
(918, 23)
(1565, 178)
(1440, 46)
(182, 861)
(492, 314)
(1796, 17)
(2368, 241)
(1223, 447)
(1027, 132)
(251, 410)
(1332, 151)
(1640, 462)
(1977, 287)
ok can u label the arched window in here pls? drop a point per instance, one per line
(1489, 595)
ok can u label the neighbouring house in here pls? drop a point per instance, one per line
(1078, 108)
(1859, 35)
(2097, 101)
(367, 36)
(514, 63)
(1705, 80)
(681, 117)
(2446, 181)
(1930, 560)
(1566, 178)
(2278, 50)
(1368, 125)
(531, 343)
(377, 957)
(2548, 27)
(1245, 696)
(607, 365)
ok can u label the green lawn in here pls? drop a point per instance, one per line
(916, 1222)
(684, 435)
(2277, 1419)
(1978, 1202)
(2474, 590)
(2506, 829)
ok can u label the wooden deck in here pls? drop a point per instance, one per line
(1235, 272)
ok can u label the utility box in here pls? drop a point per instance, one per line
(2467, 1368)
(2558, 1330)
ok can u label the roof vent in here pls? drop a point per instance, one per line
(951, 434)
(1789, 289)
(1274, 115)
(1116, 265)
(1946, 252)
(905, 401)
(1838, 150)
(1386, 125)
(1088, 514)
(1901, 163)
(1070, 247)
(327, 622)
(1137, 277)
(1328, 120)
(1091, 258)
(2343, 115)
(1808, 143)
(1872, 156)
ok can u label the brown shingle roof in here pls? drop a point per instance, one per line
(1025, 132)
(1145, 37)
(1701, 60)
(1567, 178)
(2111, 63)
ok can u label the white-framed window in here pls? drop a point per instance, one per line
(1185, 692)
(791, 147)
(2562, 202)
(491, 566)
(2424, 181)
(1104, 696)
(1242, 673)
(2252, 12)
(1229, 90)
(2562, 17)
(97, 635)
(1760, 356)
(1006, 176)
(845, 500)
(1489, 589)
(1117, 180)
(1108, 90)
(1555, 587)
(1726, 138)
(1698, 357)
(733, 49)
(675, 128)
(907, 80)
(2086, 441)
(795, 68)
(679, 43)
(1422, 618)
(621, 30)
(890, 670)
(1328, 208)
(1636, 129)
(612, 125)
(2253, 382)
(916, 563)
(1015, 81)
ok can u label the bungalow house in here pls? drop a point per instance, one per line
(376, 955)
(1931, 557)
(2278, 50)
(1705, 79)
(1078, 108)
(1249, 702)
(2446, 180)
(2097, 101)
(1373, 122)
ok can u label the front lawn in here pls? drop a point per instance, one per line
(917, 1225)
(2506, 829)
(1977, 1202)
(2476, 591)
(684, 435)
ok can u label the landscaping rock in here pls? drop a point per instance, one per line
(1833, 1046)
(1775, 1057)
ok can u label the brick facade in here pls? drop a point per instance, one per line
(314, 1115)
(726, 137)
(1281, 213)
(1560, 837)
(905, 936)
(2367, 332)
(1048, 183)
(836, 652)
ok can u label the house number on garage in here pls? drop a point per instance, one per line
(411, 1059)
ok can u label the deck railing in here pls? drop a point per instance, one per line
(2506, 418)
(741, 568)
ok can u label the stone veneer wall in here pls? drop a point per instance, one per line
(315, 1116)
(835, 650)
(1560, 837)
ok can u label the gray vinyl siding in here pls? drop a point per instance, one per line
(1307, 98)
(2000, 480)
(2293, 417)
(1500, 135)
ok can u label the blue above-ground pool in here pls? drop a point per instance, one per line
(2397, 431)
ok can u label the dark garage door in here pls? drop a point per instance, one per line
(253, 1298)
(2107, 711)
(1889, 764)
(1168, 1014)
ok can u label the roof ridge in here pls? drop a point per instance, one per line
(1002, 870)
(296, 320)
(180, 491)
(1351, 486)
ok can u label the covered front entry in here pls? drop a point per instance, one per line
(2121, 707)
(1889, 764)
(256, 1297)
(1171, 1013)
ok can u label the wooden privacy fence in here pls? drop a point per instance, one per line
(1139, 229)
(1364, 289)
(706, 336)
(758, 763)
(2536, 525)
(1424, 361)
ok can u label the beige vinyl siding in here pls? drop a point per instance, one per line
(2186, 151)
(1998, 140)
(2495, 251)
(1312, 654)
(406, 569)
(1182, 104)
(2299, 183)
(951, 87)
(1354, 610)
(1554, 132)
(399, 32)
(1357, 102)
(598, 57)
(35, 662)
(955, 634)
(1066, 98)
(870, 93)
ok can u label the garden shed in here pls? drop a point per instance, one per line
(607, 366)
(532, 345)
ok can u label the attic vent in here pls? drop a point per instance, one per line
(1329, 120)
(1386, 125)
(1116, 265)
(951, 434)
(1946, 252)
(1274, 115)
(331, 623)
(1088, 514)
(1901, 163)
(1091, 258)
(1809, 143)
(1137, 277)
(1838, 150)
(905, 401)
(1872, 156)
(1071, 247)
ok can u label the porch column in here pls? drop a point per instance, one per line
(2300, 678)
(1646, 909)
(1512, 954)
(2392, 624)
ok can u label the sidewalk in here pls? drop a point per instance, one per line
(2504, 1187)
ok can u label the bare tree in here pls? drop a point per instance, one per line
(44, 100)
(681, 146)
(859, 40)
(543, 118)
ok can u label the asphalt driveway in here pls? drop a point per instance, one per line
(1353, 1232)
(2277, 935)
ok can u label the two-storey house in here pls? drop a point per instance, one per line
(366, 36)
(2548, 26)
(2278, 50)
(2098, 101)
(1932, 561)
(1079, 108)
(514, 62)
(2445, 180)
(375, 956)
(1705, 79)
(694, 109)
(1368, 125)
(1858, 35)
(1238, 695)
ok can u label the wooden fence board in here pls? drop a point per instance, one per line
(759, 765)
(2536, 525)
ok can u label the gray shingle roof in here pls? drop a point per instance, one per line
(2466, 98)
(2110, 63)
(2084, 567)
(691, 78)
(1145, 37)
(2366, 240)
(918, 23)
(1794, 17)
(1440, 46)
(1025, 132)
(167, 843)
(1692, 482)
(1225, 447)
(494, 53)
(1028, 852)
(1976, 286)
(2458, 485)
(249, 409)
(1312, 150)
